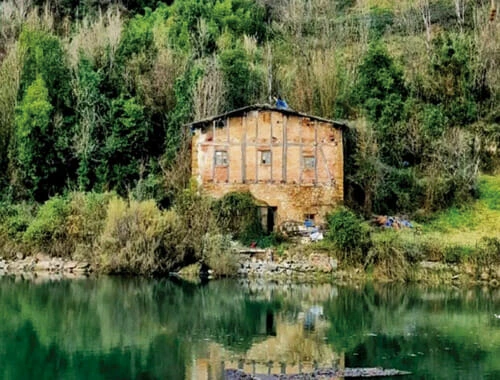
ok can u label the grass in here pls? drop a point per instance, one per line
(467, 225)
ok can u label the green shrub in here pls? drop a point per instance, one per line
(49, 225)
(487, 252)
(15, 219)
(138, 238)
(85, 222)
(271, 240)
(218, 255)
(196, 219)
(388, 258)
(237, 214)
(413, 250)
(348, 234)
(455, 254)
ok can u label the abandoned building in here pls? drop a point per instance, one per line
(291, 163)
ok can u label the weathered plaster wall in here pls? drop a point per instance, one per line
(285, 182)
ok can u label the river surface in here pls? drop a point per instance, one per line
(123, 328)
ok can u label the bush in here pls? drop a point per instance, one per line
(196, 219)
(139, 238)
(218, 255)
(388, 257)
(487, 253)
(348, 234)
(455, 254)
(237, 214)
(85, 222)
(15, 219)
(48, 229)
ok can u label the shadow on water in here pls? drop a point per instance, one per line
(128, 328)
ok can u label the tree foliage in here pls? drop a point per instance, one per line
(95, 96)
(35, 153)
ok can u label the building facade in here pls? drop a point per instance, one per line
(290, 162)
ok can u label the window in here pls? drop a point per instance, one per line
(309, 162)
(221, 158)
(265, 157)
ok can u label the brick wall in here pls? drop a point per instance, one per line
(303, 176)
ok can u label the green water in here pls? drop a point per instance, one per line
(122, 328)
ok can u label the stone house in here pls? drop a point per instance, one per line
(292, 163)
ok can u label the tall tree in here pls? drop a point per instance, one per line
(34, 153)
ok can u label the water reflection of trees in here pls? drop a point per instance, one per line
(96, 327)
(433, 332)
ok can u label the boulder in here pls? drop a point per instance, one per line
(82, 267)
(321, 262)
(42, 266)
(70, 265)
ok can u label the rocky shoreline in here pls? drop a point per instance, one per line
(320, 265)
(262, 265)
(313, 264)
(44, 265)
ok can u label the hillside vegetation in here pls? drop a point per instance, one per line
(94, 95)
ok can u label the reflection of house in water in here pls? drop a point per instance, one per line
(312, 316)
(292, 348)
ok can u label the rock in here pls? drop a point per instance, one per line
(432, 265)
(70, 265)
(42, 266)
(320, 262)
(334, 264)
(42, 257)
(484, 276)
(19, 255)
(82, 267)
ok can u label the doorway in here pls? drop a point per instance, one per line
(268, 218)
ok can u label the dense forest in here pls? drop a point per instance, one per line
(94, 94)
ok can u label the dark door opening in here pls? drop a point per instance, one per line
(271, 217)
(268, 218)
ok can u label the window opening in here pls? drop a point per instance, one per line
(309, 162)
(265, 157)
(221, 158)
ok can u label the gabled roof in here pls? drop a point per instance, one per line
(263, 107)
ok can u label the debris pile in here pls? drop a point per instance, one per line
(305, 231)
(393, 222)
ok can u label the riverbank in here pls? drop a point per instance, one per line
(102, 233)
(43, 265)
(317, 266)
(264, 265)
